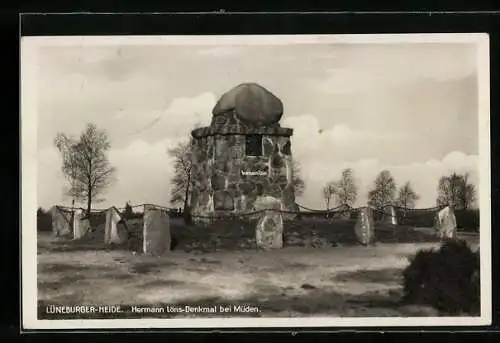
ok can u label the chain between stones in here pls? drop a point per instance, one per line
(334, 211)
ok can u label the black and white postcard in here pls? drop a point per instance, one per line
(255, 181)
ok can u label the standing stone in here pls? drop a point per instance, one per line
(135, 231)
(111, 230)
(122, 231)
(446, 223)
(267, 202)
(156, 233)
(77, 227)
(61, 222)
(364, 228)
(84, 227)
(390, 215)
(269, 232)
(263, 203)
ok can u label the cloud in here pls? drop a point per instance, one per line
(123, 112)
(181, 115)
(324, 153)
(422, 176)
(366, 68)
(144, 172)
(145, 169)
(121, 89)
(148, 98)
(341, 142)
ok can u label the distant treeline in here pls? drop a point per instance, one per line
(467, 220)
(44, 218)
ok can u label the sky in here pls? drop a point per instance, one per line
(410, 108)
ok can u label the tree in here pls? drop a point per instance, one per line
(467, 192)
(328, 191)
(181, 180)
(384, 190)
(69, 166)
(448, 190)
(128, 212)
(346, 190)
(85, 164)
(298, 183)
(407, 196)
(456, 190)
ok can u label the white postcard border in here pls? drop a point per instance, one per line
(28, 231)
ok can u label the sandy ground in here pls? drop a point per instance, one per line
(340, 281)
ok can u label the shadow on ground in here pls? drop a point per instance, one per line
(149, 267)
(385, 276)
(70, 268)
(60, 283)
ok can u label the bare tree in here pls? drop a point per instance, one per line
(384, 190)
(298, 182)
(448, 190)
(181, 180)
(407, 197)
(85, 164)
(328, 191)
(345, 189)
(456, 190)
(69, 167)
(467, 193)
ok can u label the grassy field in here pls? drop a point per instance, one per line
(346, 281)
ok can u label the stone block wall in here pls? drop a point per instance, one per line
(156, 235)
(224, 180)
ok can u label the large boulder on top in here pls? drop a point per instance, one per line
(252, 103)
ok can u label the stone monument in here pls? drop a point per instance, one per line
(61, 222)
(446, 223)
(269, 231)
(156, 233)
(113, 216)
(244, 154)
(78, 229)
(365, 226)
(390, 215)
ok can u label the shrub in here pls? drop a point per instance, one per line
(467, 220)
(447, 278)
(44, 220)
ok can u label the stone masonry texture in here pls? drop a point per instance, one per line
(226, 181)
